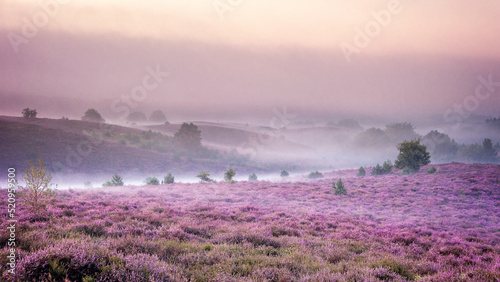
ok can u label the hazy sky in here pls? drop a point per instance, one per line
(238, 56)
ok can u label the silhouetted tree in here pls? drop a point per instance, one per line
(137, 117)
(158, 116)
(28, 113)
(93, 116)
(188, 136)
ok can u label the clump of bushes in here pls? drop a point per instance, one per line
(204, 177)
(431, 170)
(315, 175)
(152, 181)
(169, 179)
(252, 177)
(361, 171)
(386, 168)
(228, 176)
(340, 189)
(115, 181)
(284, 173)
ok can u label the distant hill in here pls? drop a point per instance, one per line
(73, 146)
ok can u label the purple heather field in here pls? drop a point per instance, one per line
(427, 227)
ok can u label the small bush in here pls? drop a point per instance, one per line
(361, 171)
(386, 168)
(252, 177)
(38, 192)
(340, 189)
(169, 179)
(431, 170)
(205, 177)
(284, 173)
(116, 181)
(315, 175)
(152, 181)
(228, 176)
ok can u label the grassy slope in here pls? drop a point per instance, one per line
(59, 142)
(440, 227)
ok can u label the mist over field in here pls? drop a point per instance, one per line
(254, 140)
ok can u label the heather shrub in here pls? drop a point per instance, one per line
(205, 177)
(340, 189)
(361, 171)
(315, 175)
(115, 181)
(284, 173)
(412, 155)
(431, 170)
(37, 194)
(396, 267)
(228, 176)
(152, 181)
(252, 177)
(169, 179)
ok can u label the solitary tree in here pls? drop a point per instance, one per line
(152, 181)
(137, 117)
(188, 136)
(252, 177)
(169, 179)
(411, 156)
(340, 189)
(228, 176)
(115, 181)
(37, 193)
(93, 116)
(205, 177)
(28, 113)
(284, 173)
(158, 116)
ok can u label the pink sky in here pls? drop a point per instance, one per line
(424, 59)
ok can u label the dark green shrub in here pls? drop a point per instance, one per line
(116, 181)
(27, 113)
(412, 155)
(205, 177)
(252, 177)
(315, 175)
(431, 170)
(228, 176)
(387, 167)
(169, 179)
(152, 181)
(340, 189)
(361, 171)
